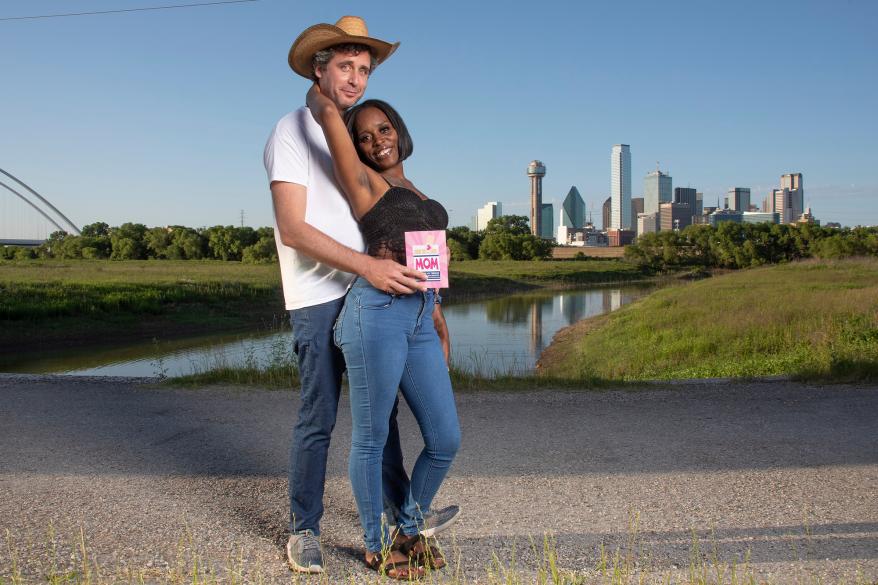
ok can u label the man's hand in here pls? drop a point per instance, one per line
(392, 277)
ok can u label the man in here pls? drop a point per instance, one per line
(320, 250)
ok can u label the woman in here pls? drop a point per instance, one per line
(390, 341)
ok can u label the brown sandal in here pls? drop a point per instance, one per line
(401, 570)
(422, 552)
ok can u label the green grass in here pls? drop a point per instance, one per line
(36, 291)
(137, 271)
(808, 320)
(484, 277)
(277, 376)
(57, 303)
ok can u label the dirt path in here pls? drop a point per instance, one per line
(153, 475)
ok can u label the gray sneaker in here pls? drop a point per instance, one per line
(304, 554)
(436, 521)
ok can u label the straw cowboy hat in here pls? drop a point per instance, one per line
(348, 29)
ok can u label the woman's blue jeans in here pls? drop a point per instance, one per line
(389, 343)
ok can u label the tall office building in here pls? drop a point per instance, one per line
(620, 187)
(788, 202)
(791, 181)
(738, 199)
(491, 210)
(636, 209)
(606, 213)
(536, 171)
(573, 209)
(699, 204)
(689, 197)
(547, 221)
(685, 195)
(674, 216)
(657, 189)
(647, 223)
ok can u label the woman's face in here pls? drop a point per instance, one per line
(376, 138)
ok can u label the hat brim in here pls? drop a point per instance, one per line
(321, 36)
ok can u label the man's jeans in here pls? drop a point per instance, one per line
(389, 342)
(320, 368)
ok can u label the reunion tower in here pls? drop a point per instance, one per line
(536, 171)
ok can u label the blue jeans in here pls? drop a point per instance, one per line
(389, 342)
(320, 368)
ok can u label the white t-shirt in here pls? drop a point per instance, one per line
(296, 152)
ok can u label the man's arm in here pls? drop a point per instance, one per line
(289, 208)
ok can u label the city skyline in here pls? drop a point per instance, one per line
(160, 117)
(676, 207)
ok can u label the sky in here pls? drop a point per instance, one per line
(160, 117)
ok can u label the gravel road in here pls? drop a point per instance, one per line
(783, 473)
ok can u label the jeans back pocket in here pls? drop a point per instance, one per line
(336, 328)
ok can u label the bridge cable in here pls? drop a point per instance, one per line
(32, 204)
(76, 231)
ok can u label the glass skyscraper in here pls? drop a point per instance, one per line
(657, 189)
(573, 209)
(620, 187)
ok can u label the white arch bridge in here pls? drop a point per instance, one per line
(26, 217)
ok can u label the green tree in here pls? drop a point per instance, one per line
(263, 251)
(96, 229)
(534, 248)
(508, 237)
(50, 247)
(220, 241)
(187, 243)
(463, 243)
(70, 248)
(500, 246)
(511, 224)
(157, 241)
(127, 242)
(246, 236)
(22, 253)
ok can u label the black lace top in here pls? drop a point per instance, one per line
(398, 211)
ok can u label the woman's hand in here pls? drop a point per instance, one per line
(318, 103)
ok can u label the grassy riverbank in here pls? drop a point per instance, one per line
(58, 303)
(812, 319)
(55, 303)
(284, 375)
(487, 277)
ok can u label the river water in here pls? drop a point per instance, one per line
(502, 335)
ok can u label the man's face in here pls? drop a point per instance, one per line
(345, 77)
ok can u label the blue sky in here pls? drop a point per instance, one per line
(160, 117)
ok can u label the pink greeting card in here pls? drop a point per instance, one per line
(426, 252)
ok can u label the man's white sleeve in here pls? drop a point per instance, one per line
(286, 153)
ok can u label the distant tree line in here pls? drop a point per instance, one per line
(506, 237)
(741, 245)
(135, 241)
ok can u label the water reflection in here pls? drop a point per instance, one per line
(508, 334)
(504, 335)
